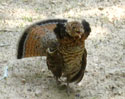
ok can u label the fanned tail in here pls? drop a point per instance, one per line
(31, 43)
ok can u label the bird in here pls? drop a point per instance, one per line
(62, 42)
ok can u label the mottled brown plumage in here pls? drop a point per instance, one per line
(62, 42)
(37, 38)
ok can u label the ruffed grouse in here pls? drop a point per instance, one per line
(62, 42)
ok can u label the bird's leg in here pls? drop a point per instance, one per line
(57, 81)
(68, 88)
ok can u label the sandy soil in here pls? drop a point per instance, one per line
(29, 78)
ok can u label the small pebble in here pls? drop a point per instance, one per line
(77, 95)
(29, 89)
(101, 8)
(23, 81)
(38, 93)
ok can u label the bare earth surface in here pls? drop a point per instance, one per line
(29, 78)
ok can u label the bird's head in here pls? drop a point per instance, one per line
(75, 29)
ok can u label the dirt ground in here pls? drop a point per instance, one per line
(29, 78)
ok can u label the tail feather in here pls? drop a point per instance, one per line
(21, 45)
(31, 44)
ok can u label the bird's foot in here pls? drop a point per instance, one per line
(58, 82)
(68, 89)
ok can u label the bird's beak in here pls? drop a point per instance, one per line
(80, 33)
(79, 36)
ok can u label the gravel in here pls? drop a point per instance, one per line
(29, 78)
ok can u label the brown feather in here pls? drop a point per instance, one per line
(35, 38)
(62, 42)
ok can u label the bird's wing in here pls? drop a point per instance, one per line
(55, 62)
(78, 77)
